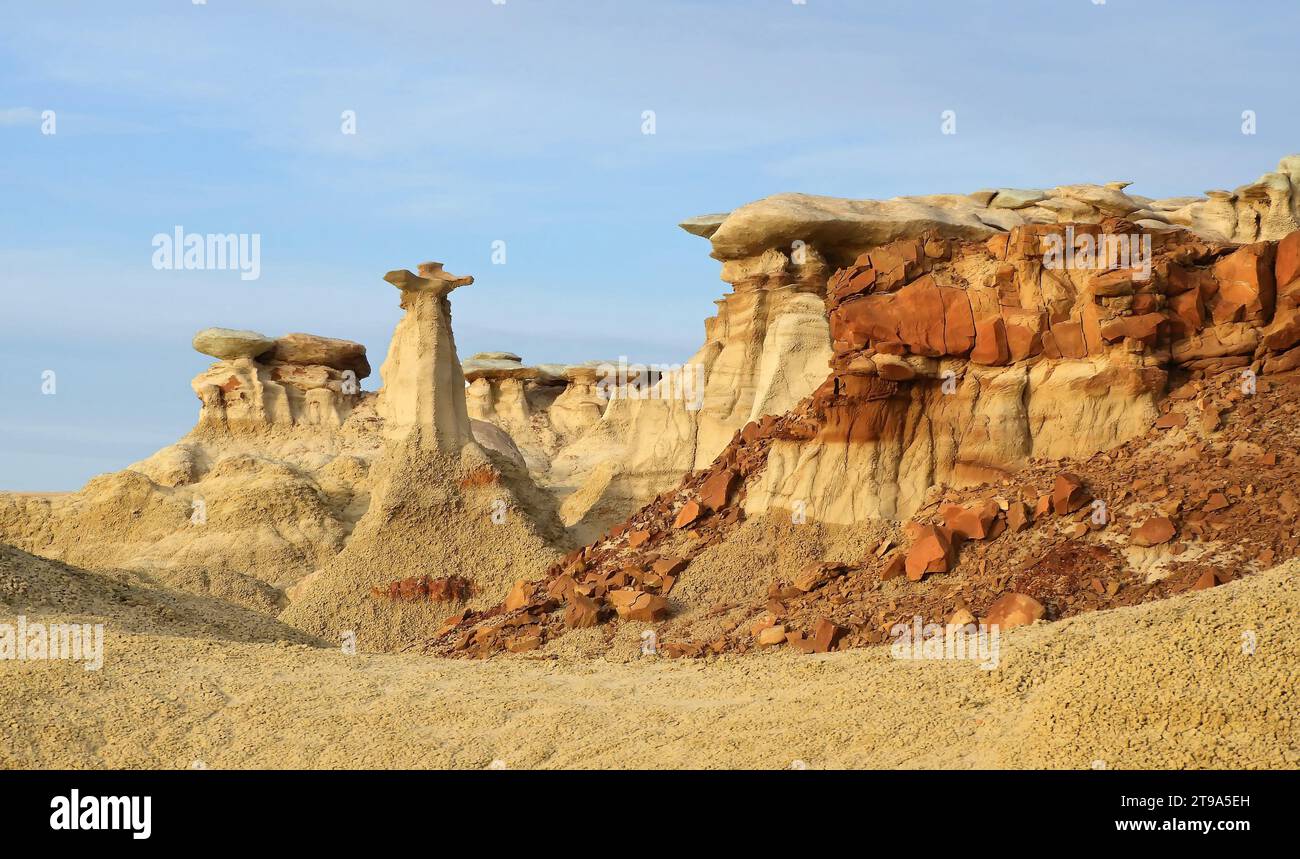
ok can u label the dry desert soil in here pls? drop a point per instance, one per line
(1206, 679)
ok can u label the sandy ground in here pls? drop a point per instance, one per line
(1209, 679)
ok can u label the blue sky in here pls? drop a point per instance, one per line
(522, 122)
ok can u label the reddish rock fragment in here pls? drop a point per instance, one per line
(523, 643)
(1207, 580)
(561, 588)
(825, 633)
(581, 612)
(665, 567)
(1218, 501)
(717, 489)
(1154, 532)
(1068, 494)
(815, 575)
(933, 552)
(1018, 516)
(972, 523)
(689, 513)
(647, 608)
(822, 640)
(520, 595)
(895, 567)
(1144, 327)
(1012, 610)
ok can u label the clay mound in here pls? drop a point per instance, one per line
(441, 507)
(127, 602)
(240, 525)
(263, 490)
(436, 515)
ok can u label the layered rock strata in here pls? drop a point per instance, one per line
(542, 408)
(768, 345)
(966, 363)
(262, 383)
(958, 362)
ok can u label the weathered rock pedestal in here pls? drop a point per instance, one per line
(424, 386)
(262, 383)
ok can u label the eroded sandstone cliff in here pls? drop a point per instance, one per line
(960, 362)
(770, 342)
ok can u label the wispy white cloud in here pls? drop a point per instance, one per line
(11, 117)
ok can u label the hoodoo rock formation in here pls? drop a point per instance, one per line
(964, 356)
(259, 382)
(290, 462)
(264, 489)
(766, 349)
(541, 408)
(911, 405)
(768, 346)
(441, 504)
(424, 387)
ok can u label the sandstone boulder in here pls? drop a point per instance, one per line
(325, 351)
(229, 344)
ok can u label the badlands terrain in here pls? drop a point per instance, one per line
(969, 409)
